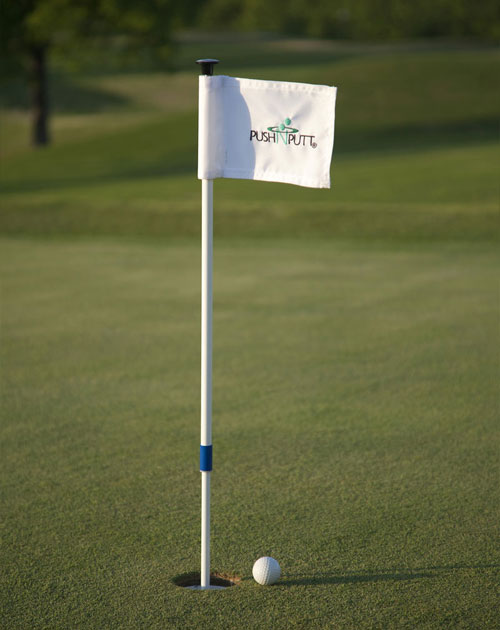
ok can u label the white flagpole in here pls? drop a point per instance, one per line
(206, 358)
(206, 375)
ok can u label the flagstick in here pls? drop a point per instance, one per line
(206, 375)
(206, 359)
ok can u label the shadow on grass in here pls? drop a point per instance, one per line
(387, 575)
(67, 95)
(169, 149)
(260, 51)
(352, 578)
(186, 165)
(417, 136)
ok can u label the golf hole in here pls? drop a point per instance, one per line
(218, 581)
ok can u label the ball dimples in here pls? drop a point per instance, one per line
(266, 571)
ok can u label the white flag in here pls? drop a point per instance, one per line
(268, 130)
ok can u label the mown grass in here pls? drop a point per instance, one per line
(355, 357)
(355, 434)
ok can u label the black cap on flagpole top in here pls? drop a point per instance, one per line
(207, 66)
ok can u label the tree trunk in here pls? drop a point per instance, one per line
(40, 130)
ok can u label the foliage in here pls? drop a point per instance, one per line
(358, 19)
(63, 25)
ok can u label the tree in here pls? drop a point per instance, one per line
(32, 29)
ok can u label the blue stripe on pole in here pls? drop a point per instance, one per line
(206, 458)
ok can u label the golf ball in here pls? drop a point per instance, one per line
(266, 571)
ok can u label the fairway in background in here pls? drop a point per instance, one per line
(414, 155)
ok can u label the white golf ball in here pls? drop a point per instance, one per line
(266, 571)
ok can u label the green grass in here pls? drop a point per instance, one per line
(354, 431)
(355, 356)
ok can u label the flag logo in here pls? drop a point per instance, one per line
(282, 130)
(284, 133)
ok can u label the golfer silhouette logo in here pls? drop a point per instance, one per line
(282, 130)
